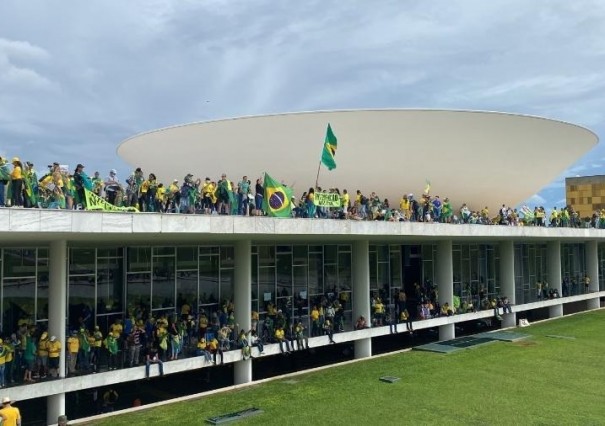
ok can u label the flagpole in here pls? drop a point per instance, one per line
(317, 179)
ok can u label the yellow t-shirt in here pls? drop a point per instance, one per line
(10, 415)
(345, 200)
(54, 349)
(17, 173)
(279, 334)
(73, 345)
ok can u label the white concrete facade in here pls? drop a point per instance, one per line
(57, 230)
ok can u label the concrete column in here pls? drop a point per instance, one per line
(553, 259)
(507, 279)
(361, 293)
(55, 407)
(57, 311)
(444, 275)
(592, 269)
(243, 303)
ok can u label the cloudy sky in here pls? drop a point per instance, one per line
(77, 77)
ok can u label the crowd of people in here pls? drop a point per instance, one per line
(60, 188)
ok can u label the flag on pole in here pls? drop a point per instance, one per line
(329, 151)
(276, 201)
(427, 188)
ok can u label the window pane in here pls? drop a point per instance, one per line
(266, 285)
(300, 255)
(163, 283)
(161, 251)
(227, 280)
(344, 271)
(110, 285)
(208, 280)
(266, 255)
(284, 275)
(186, 287)
(139, 259)
(315, 274)
(186, 258)
(330, 253)
(42, 304)
(81, 301)
(330, 278)
(19, 263)
(18, 302)
(138, 287)
(227, 257)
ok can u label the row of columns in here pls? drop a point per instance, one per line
(360, 286)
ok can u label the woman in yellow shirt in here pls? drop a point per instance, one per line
(17, 183)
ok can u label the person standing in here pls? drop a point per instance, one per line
(112, 185)
(17, 183)
(54, 354)
(11, 416)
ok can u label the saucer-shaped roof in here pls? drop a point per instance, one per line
(474, 157)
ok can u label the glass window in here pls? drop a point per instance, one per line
(110, 285)
(42, 293)
(163, 251)
(206, 250)
(284, 275)
(266, 255)
(139, 259)
(163, 287)
(186, 258)
(227, 256)
(330, 253)
(227, 284)
(186, 287)
(19, 263)
(109, 252)
(330, 278)
(266, 285)
(18, 301)
(81, 301)
(82, 261)
(315, 274)
(300, 255)
(138, 290)
(208, 276)
(344, 271)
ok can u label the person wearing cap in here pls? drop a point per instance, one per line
(17, 183)
(95, 346)
(54, 354)
(208, 189)
(73, 347)
(11, 416)
(43, 355)
(81, 182)
(173, 197)
(112, 185)
(111, 344)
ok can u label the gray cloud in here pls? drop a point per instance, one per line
(78, 77)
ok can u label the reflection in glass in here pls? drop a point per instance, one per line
(186, 287)
(82, 261)
(138, 290)
(208, 275)
(139, 259)
(110, 285)
(227, 284)
(18, 302)
(163, 287)
(19, 263)
(81, 301)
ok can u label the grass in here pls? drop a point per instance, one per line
(539, 381)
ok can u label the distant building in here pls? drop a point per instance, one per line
(585, 193)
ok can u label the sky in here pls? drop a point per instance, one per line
(78, 77)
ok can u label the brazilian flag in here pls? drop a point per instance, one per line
(329, 151)
(276, 201)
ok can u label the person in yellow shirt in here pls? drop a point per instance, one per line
(404, 206)
(315, 329)
(202, 350)
(54, 353)
(11, 416)
(10, 357)
(96, 341)
(345, 200)
(73, 347)
(43, 355)
(280, 337)
(17, 183)
(3, 352)
(214, 348)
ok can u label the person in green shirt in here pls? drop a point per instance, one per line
(111, 344)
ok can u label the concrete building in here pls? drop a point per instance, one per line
(586, 194)
(61, 268)
(54, 263)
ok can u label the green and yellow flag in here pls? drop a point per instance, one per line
(329, 151)
(276, 201)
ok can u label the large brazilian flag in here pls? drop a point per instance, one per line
(276, 201)
(329, 151)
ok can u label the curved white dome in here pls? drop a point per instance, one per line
(481, 158)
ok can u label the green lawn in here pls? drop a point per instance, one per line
(541, 381)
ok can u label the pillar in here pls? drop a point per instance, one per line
(507, 280)
(361, 293)
(592, 269)
(243, 301)
(444, 275)
(553, 256)
(57, 311)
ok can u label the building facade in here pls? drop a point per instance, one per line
(57, 268)
(586, 194)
